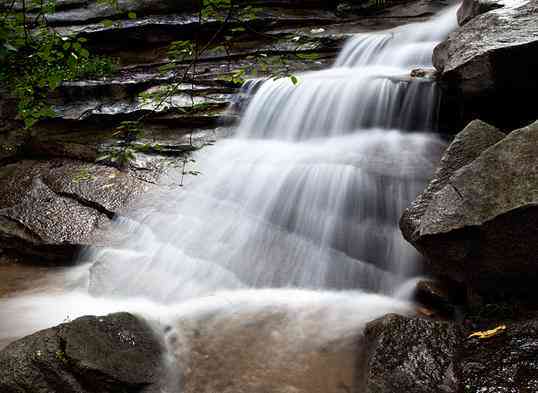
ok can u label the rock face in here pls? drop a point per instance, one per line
(410, 355)
(505, 363)
(464, 149)
(488, 66)
(116, 353)
(477, 222)
(48, 210)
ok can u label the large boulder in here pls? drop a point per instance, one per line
(116, 353)
(489, 64)
(412, 355)
(463, 150)
(49, 209)
(409, 354)
(477, 221)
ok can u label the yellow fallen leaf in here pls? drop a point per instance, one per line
(489, 333)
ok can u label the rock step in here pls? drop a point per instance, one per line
(52, 208)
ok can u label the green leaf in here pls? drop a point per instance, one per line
(131, 15)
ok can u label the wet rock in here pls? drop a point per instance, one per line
(76, 12)
(410, 355)
(471, 8)
(440, 296)
(12, 141)
(477, 222)
(465, 147)
(80, 142)
(507, 362)
(89, 355)
(50, 209)
(12, 136)
(423, 73)
(489, 65)
(152, 34)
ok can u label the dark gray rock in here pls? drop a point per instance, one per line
(12, 137)
(504, 363)
(406, 354)
(412, 355)
(440, 297)
(116, 353)
(49, 209)
(79, 11)
(489, 65)
(464, 149)
(12, 140)
(479, 224)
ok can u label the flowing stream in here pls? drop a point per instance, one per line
(289, 238)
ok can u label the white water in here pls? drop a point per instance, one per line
(307, 195)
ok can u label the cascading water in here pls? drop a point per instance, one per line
(309, 192)
(307, 195)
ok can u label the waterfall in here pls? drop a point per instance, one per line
(368, 87)
(308, 193)
(297, 211)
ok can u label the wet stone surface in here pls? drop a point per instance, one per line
(52, 208)
(488, 65)
(412, 355)
(505, 363)
(107, 354)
